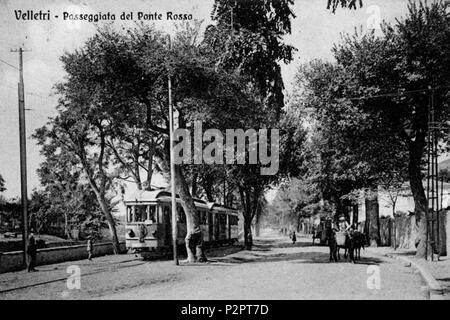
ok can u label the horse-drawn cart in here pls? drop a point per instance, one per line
(340, 238)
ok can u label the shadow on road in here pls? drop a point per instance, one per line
(445, 286)
(267, 244)
(261, 252)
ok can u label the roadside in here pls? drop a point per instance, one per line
(436, 274)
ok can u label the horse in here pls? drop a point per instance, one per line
(359, 242)
(349, 246)
(334, 247)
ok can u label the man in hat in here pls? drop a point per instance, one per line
(343, 225)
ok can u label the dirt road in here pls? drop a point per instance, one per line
(274, 269)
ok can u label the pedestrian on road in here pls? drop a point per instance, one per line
(32, 252)
(294, 237)
(90, 248)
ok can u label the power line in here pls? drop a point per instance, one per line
(29, 93)
(7, 63)
(396, 94)
(33, 78)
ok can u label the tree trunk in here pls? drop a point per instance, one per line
(66, 227)
(258, 225)
(373, 220)
(248, 238)
(194, 236)
(150, 166)
(355, 213)
(194, 184)
(418, 192)
(338, 206)
(111, 223)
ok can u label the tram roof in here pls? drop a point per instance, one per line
(153, 195)
(149, 196)
(220, 207)
(146, 195)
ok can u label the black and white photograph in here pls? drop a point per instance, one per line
(236, 151)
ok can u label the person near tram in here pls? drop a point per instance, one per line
(32, 252)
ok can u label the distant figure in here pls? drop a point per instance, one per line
(294, 237)
(90, 248)
(31, 251)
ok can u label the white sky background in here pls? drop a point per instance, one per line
(314, 31)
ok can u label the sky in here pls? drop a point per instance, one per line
(314, 31)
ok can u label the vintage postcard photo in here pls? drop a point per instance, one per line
(224, 150)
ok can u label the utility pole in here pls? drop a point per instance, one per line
(232, 6)
(23, 157)
(172, 168)
(432, 215)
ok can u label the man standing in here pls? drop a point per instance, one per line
(32, 252)
(90, 248)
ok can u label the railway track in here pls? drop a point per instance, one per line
(213, 251)
(103, 268)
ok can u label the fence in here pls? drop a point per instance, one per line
(402, 231)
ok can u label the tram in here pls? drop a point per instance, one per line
(149, 222)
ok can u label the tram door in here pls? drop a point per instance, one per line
(229, 226)
(167, 226)
(216, 226)
(210, 226)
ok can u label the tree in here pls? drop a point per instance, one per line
(102, 107)
(2, 184)
(339, 152)
(78, 132)
(294, 200)
(411, 57)
(349, 148)
(445, 174)
(392, 184)
(66, 198)
(252, 47)
(351, 4)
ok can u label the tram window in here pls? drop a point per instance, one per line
(202, 217)
(166, 214)
(130, 217)
(181, 216)
(152, 213)
(141, 213)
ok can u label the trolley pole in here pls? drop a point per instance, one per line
(172, 169)
(23, 157)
